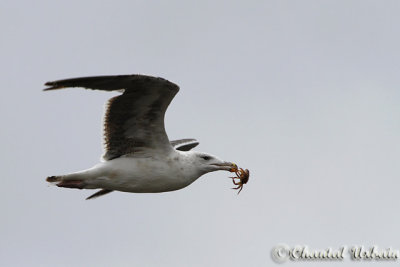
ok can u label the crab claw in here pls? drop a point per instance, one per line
(234, 168)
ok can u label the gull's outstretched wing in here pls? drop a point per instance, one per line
(184, 144)
(134, 121)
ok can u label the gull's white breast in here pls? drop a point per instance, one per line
(142, 175)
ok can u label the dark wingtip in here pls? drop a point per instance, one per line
(53, 86)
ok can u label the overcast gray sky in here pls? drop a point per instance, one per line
(305, 94)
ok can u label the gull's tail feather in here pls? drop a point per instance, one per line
(75, 183)
(61, 182)
(54, 179)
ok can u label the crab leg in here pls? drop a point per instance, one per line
(238, 183)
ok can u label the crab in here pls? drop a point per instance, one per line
(241, 174)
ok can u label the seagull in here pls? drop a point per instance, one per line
(139, 157)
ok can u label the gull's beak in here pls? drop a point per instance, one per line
(226, 166)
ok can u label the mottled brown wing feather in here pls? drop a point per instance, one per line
(134, 121)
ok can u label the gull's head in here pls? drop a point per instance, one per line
(209, 163)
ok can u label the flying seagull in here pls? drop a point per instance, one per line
(138, 157)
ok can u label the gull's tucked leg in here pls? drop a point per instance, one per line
(78, 184)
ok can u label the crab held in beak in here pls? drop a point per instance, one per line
(242, 174)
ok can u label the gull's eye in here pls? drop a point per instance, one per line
(206, 157)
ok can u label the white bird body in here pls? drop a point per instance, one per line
(141, 175)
